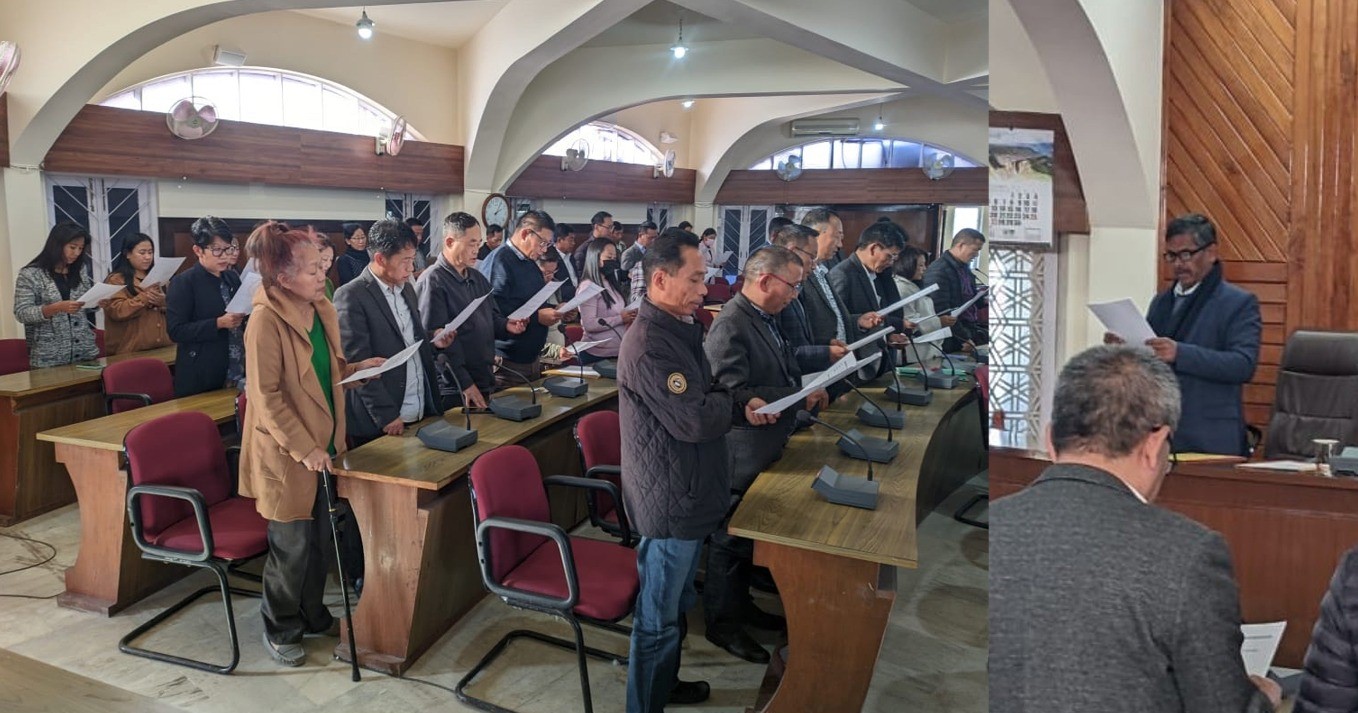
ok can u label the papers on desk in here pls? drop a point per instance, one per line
(162, 271)
(530, 307)
(1261, 643)
(813, 382)
(1286, 466)
(898, 305)
(243, 302)
(870, 338)
(963, 307)
(100, 292)
(588, 293)
(462, 316)
(400, 358)
(1122, 318)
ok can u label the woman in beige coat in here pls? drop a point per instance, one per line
(294, 425)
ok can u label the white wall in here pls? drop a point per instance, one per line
(1018, 81)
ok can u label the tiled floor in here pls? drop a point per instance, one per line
(933, 658)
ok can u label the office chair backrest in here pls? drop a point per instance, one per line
(13, 356)
(180, 449)
(1316, 395)
(506, 482)
(147, 375)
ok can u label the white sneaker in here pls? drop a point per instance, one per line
(287, 654)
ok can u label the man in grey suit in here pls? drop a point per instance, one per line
(752, 359)
(631, 257)
(379, 316)
(1100, 601)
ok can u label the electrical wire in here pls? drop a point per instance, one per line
(26, 567)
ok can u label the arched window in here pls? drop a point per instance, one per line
(609, 142)
(265, 96)
(862, 153)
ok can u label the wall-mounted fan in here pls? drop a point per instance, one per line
(790, 169)
(9, 62)
(191, 118)
(391, 141)
(666, 167)
(939, 167)
(577, 156)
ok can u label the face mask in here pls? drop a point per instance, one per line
(611, 266)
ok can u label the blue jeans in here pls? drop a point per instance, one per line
(667, 568)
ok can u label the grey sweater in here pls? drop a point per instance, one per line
(61, 338)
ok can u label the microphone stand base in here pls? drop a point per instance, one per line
(845, 489)
(873, 416)
(909, 395)
(942, 381)
(877, 450)
(608, 368)
(444, 436)
(568, 387)
(515, 409)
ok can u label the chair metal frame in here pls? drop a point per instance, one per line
(621, 530)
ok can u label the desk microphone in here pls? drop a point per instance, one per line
(841, 489)
(445, 436)
(910, 395)
(608, 368)
(942, 381)
(568, 387)
(873, 414)
(513, 408)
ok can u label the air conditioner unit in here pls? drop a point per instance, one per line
(223, 57)
(825, 127)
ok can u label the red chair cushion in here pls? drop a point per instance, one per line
(13, 356)
(181, 449)
(138, 376)
(574, 333)
(607, 575)
(704, 317)
(508, 483)
(238, 531)
(600, 436)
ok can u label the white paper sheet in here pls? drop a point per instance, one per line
(1122, 318)
(963, 307)
(934, 336)
(574, 372)
(530, 307)
(590, 292)
(870, 338)
(579, 347)
(1260, 644)
(841, 369)
(243, 302)
(634, 306)
(724, 256)
(897, 305)
(1286, 466)
(100, 292)
(249, 268)
(400, 358)
(162, 271)
(462, 316)
(713, 272)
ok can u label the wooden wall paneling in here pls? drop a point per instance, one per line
(966, 186)
(108, 141)
(603, 181)
(4, 130)
(1069, 212)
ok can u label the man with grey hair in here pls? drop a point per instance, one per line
(755, 361)
(1100, 601)
(812, 355)
(830, 235)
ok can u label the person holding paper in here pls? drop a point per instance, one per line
(445, 291)
(553, 350)
(864, 283)
(957, 285)
(378, 317)
(709, 250)
(830, 229)
(46, 300)
(604, 317)
(646, 232)
(601, 228)
(1329, 682)
(1100, 601)
(134, 319)
(210, 341)
(752, 359)
(812, 356)
(514, 279)
(1209, 332)
(293, 428)
(565, 244)
(352, 262)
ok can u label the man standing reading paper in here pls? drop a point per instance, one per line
(1208, 332)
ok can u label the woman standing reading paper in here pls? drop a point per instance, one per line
(294, 365)
(46, 300)
(135, 318)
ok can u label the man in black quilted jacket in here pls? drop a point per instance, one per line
(1330, 681)
(676, 470)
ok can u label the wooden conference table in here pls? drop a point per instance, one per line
(1286, 531)
(109, 573)
(835, 565)
(31, 481)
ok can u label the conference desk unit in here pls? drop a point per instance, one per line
(835, 566)
(422, 573)
(109, 573)
(1286, 531)
(31, 481)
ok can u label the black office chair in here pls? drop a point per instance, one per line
(1316, 395)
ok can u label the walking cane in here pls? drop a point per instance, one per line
(328, 482)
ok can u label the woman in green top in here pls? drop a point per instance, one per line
(327, 259)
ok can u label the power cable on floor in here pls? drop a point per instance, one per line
(26, 567)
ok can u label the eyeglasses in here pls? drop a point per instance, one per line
(1183, 255)
(232, 249)
(541, 240)
(796, 289)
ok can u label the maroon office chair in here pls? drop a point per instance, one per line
(99, 341)
(134, 383)
(704, 317)
(574, 333)
(718, 292)
(982, 376)
(13, 356)
(533, 564)
(182, 512)
(599, 436)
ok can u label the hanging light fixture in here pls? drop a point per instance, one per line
(680, 49)
(879, 124)
(365, 26)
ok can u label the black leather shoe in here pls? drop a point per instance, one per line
(686, 693)
(764, 621)
(740, 645)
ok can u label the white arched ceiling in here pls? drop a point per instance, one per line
(556, 101)
(1113, 127)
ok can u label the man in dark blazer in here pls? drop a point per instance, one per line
(957, 285)
(565, 243)
(1100, 601)
(752, 359)
(863, 280)
(379, 316)
(795, 323)
(631, 257)
(1208, 331)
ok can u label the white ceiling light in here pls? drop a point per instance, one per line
(679, 49)
(687, 103)
(879, 124)
(365, 26)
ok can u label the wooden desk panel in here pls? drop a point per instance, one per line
(31, 480)
(109, 573)
(1286, 531)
